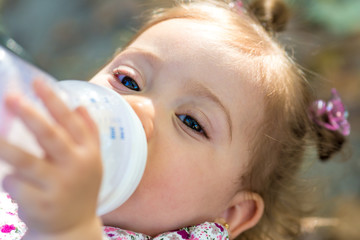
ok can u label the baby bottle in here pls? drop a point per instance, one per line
(122, 137)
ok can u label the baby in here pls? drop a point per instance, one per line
(226, 116)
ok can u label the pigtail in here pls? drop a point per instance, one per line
(273, 15)
(328, 142)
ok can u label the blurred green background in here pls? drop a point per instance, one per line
(72, 39)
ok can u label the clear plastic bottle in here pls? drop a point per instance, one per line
(122, 137)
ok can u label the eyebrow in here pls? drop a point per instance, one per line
(201, 90)
(150, 57)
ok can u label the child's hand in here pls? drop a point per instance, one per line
(56, 194)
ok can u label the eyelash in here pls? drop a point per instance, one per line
(197, 127)
(122, 76)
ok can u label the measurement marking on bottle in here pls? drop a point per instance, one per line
(122, 133)
(112, 133)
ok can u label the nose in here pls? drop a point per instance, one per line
(144, 109)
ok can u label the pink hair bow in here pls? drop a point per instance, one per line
(331, 115)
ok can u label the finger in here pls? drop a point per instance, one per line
(15, 156)
(52, 138)
(61, 112)
(25, 194)
(31, 168)
(15, 185)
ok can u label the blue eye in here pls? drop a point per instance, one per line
(192, 123)
(127, 82)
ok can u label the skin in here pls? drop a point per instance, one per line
(192, 175)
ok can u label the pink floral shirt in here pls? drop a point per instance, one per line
(205, 231)
(12, 228)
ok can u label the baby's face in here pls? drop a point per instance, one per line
(198, 109)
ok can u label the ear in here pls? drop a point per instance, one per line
(244, 212)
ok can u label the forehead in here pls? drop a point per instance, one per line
(199, 48)
(184, 37)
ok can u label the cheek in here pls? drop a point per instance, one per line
(173, 173)
(180, 178)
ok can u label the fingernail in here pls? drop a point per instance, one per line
(12, 101)
(37, 83)
(40, 86)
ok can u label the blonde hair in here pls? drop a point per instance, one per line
(278, 144)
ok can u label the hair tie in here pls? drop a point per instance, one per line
(331, 115)
(237, 5)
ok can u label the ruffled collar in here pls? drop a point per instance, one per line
(204, 231)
